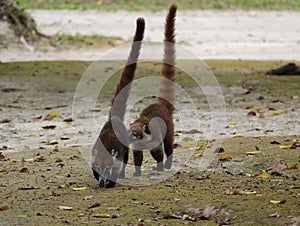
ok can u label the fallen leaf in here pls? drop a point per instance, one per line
(2, 208)
(101, 215)
(53, 142)
(225, 157)
(293, 166)
(278, 201)
(251, 113)
(268, 131)
(263, 175)
(28, 160)
(202, 177)
(219, 150)
(24, 170)
(40, 159)
(278, 165)
(65, 208)
(274, 215)
(49, 127)
(284, 146)
(231, 124)
(79, 189)
(88, 197)
(252, 107)
(238, 136)
(187, 139)
(275, 142)
(253, 152)
(97, 204)
(113, 208)
(2, 170)
(187, 145)
(240, 192)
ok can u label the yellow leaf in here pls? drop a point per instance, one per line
(277, 201)
(65, 208)
(2, 170)
(252, 107)
(225, 157)
(232, 124)
(238, 136)
(253, 152)
(187, 139)
(52, 142)
(295, 140)
(101, 215)
(187, 145)
(28, 160)
(293, 166)
(79, 189)
(285, 146)
(263, 175)
(54, 114)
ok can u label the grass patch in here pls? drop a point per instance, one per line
(139, 5)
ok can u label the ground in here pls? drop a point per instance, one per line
(46, 141)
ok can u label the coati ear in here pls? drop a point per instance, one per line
(119, 129)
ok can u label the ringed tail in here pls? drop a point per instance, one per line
(167, 85)
(119, 101)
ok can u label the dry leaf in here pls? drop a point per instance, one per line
(79, 189)
(263, 175)
(293, 166)
(53, 142)
(238, 136)
(40, 159)
(88, 197)
(28, 160)
(49, 127)
(52, 115)
(278, 201)
(187, 139)
(65, 208)
(101, 215)
(2, 208)
(253, 152)
(24, 170)
(97, 204)
(225, 157)
(278, 165)
(2, 170)
(231, 124)
(284, 146)
(113, 208)
(187, 145)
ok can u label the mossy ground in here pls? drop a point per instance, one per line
(228, 192)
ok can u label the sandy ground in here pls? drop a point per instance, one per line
(208, 34)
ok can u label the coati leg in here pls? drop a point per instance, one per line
(125, 161)
(168, 144)
(138, 159)
(158, 155)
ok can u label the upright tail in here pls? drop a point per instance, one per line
(119, 101)
(167, 84)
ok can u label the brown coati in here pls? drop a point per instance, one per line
(155, 123)
(111, 147)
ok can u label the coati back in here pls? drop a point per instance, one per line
(111, 146)
(149, 125)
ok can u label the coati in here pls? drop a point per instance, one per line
(155, 123)
(111, 146)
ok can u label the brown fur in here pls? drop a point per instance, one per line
(111, 146)
(163, 109)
